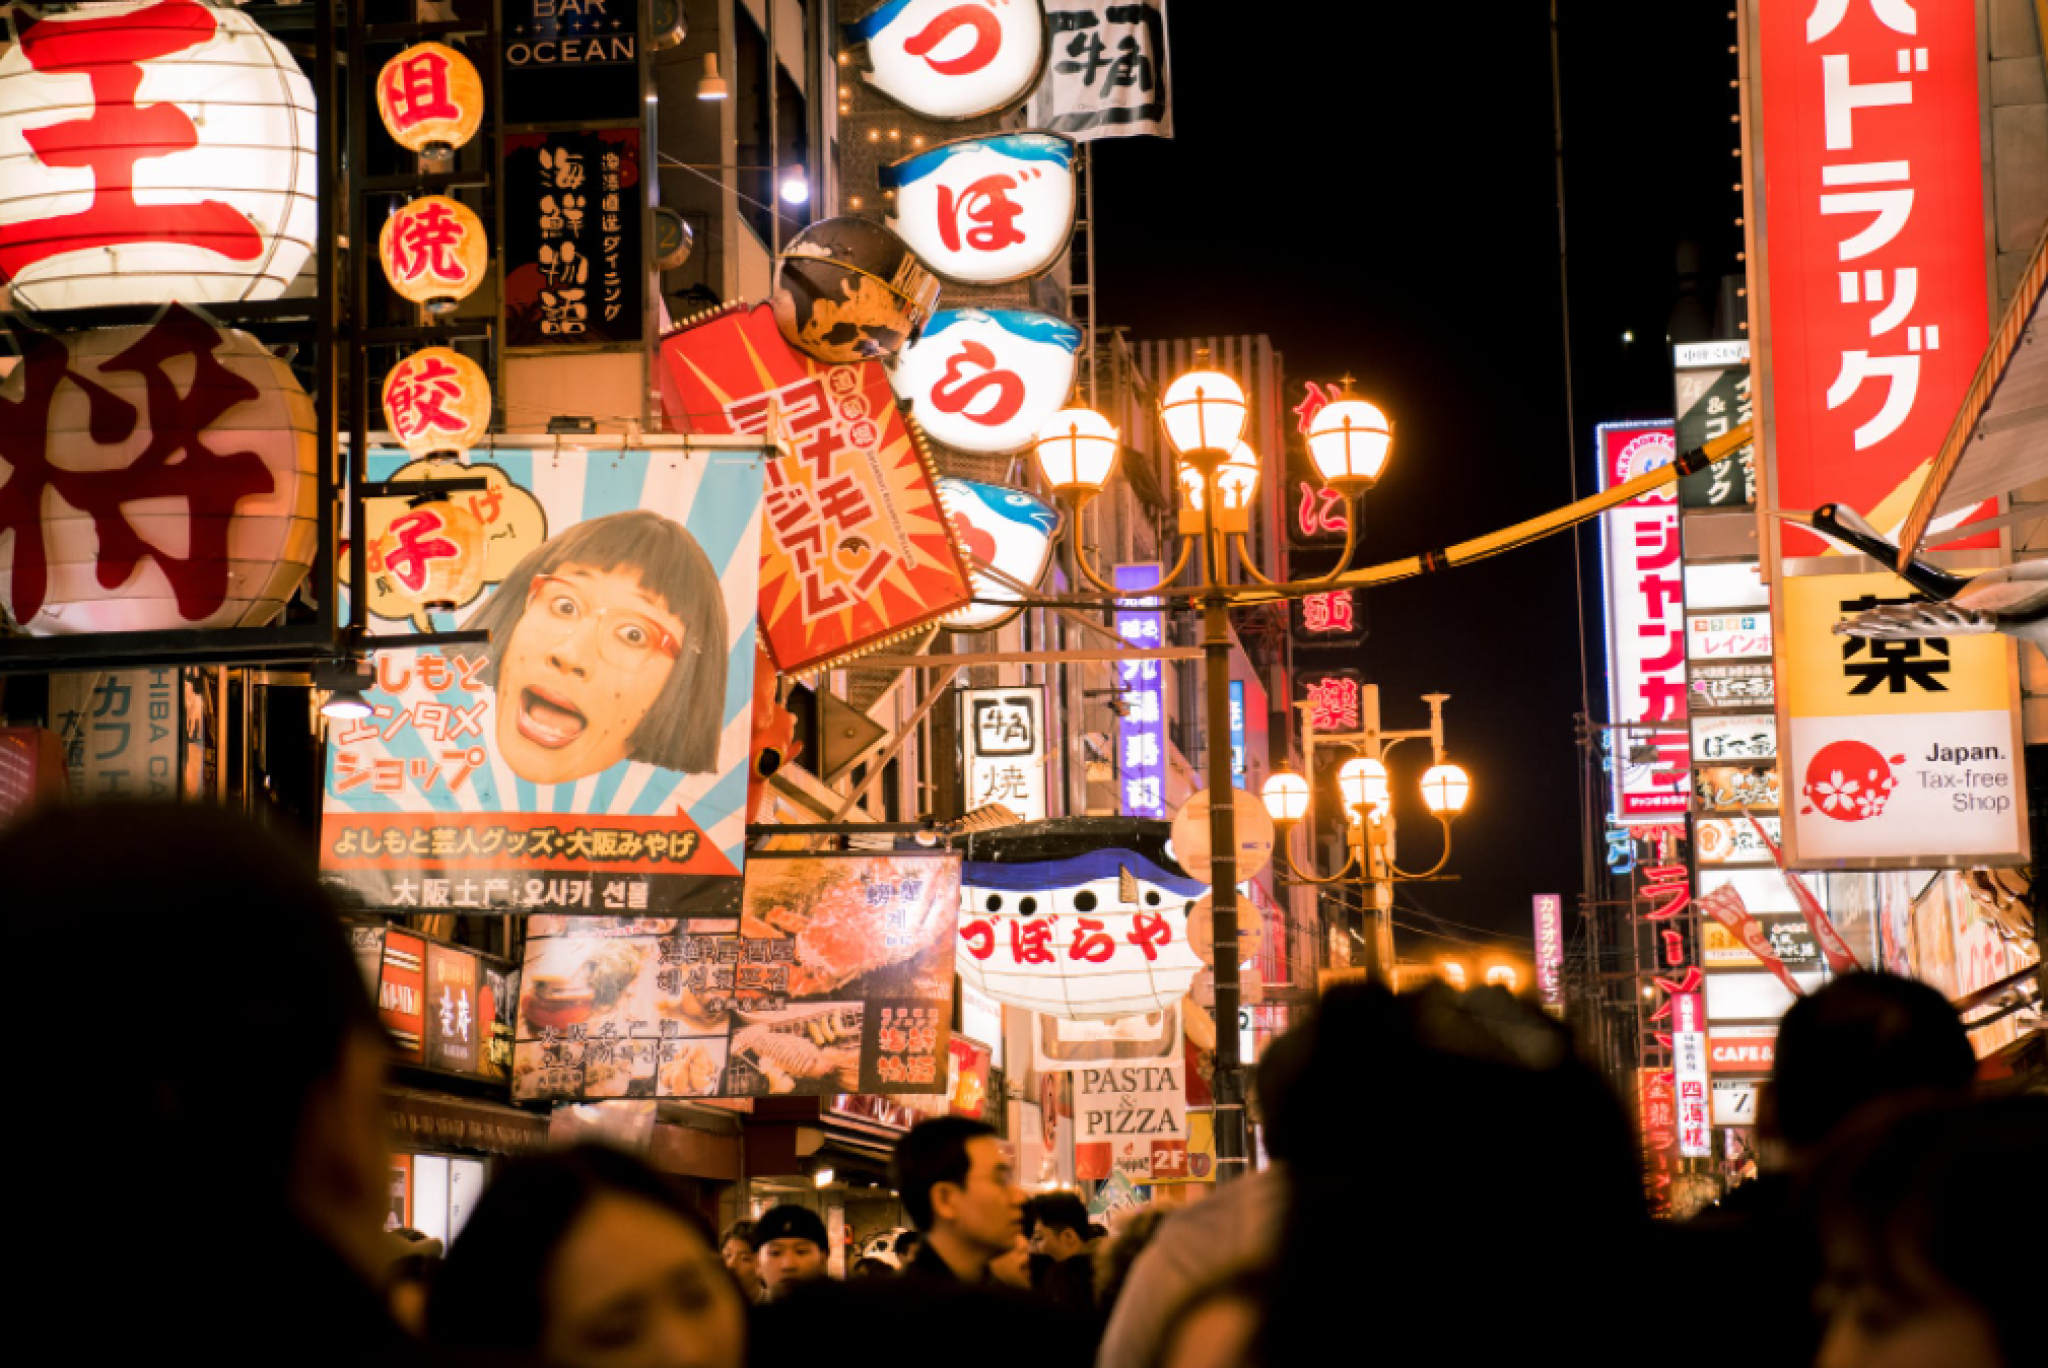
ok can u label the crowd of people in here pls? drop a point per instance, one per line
(1450, 1182)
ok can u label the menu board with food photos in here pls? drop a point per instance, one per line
(836, 977)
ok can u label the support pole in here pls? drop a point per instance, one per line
(1232, 1159)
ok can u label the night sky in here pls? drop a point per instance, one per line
(1375, 190)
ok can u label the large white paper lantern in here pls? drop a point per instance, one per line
(987, 379)
(153, 478)
(152, 152)
(952, 59)
(987, 209)
(1090, 938)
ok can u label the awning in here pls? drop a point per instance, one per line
(439, 1121)
(1999, 441)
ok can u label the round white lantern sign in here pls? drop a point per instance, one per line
(987, 379)
(982, 211)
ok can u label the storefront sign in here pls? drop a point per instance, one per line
(156, 150)
(1721, 790)
(1064, 1045)
(1141, 688)
(1785, 934)
(454, 1022)
(988, 209)
(1237, 750)
(1731, 840)
(1689, 1074)
(575, 271)
(1712, 385)
(1336, 699)
(951, 59)
(593, 758)
(1003, 733)
(1904, 754)
(1108, 77)
(1097, 936)
(836, 978)
(570, 59)
(858, 551)
(1725, 585)
(159, 477)
(431, 99)
(1646, 644)
(1743, 687)
(1713, 637)
(1003, 530)
(120, 730)
(1734, 1101)
(1331, 617)
(1757, 996)
(1131, 1119)
(402, 995)
(967, 1092)
(987, 379)
(437, 401)
(1719, 740)
(1549, 909)
(1741, 1050)
(435, 252)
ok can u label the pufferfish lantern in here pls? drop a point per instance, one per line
(847, 290)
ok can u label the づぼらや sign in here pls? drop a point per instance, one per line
(951, 59)
(987, 379)
(988, 209)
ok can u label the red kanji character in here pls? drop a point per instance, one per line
(1333, 704)
(954, 391)
(1031, 941)
(415, 90)
(119, 134)
(980, 937)
(418, 396)
(988, 206)
(1330, 612)
(1092, 943)
(423, 243)
(418, 547)
(1149, 931)
(1674, 948)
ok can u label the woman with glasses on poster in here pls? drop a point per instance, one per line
(608, 643)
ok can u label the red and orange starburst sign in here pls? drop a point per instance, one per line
(857, 549)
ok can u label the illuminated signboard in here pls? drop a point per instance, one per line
(1004, 532)
(987, 379)
(1141, 687)
(1645, 625)
(951, 59)
(1549, 909)
(1002, 731)
(1689, 1073)
(1237, 749)
(985, 210)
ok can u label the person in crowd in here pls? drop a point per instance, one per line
(955, 1182)
(1857, 1041)
(906, 1247)
(1111, 1260)
(1929, 1221)
(1218, 1327)
(1096, 1234)
(412, 1259)
(1013, 1267)
(790, 1243)
(588, 1258)
(1059, 1226)
(736, 1248)
(135, 894)
(867, 1266)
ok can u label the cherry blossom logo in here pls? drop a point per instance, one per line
(1850, 781)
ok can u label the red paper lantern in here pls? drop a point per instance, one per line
(431, 100)
(437, 402)
(432, 554)
(434, 252)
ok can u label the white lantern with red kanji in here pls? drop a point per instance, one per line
(431, 100)
(152, 152)
(437, 402)
(154, 478)
(431, 555)
(434, 252)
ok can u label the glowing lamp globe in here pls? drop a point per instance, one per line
(1286, 796)
(1445, 789)
(152, 152)
(1076, 450)
(432, 555)
(434, 252)
(1203, 412)
(1363, 782)
(157, 477)
(1237, 478)
(1349, 441)
(437, 402)
(431, 100)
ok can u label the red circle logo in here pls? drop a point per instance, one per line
(1849, 781)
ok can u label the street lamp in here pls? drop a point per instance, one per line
(1203, 415)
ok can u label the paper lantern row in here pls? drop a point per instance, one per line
(431, 100)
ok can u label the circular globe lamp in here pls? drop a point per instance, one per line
(1349, 442)
(1076, 451)
(1363, 782)
(1286, 797)
(1445, 789)
(1237, 477)
(1203, 412)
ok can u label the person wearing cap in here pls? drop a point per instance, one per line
(789, 1248)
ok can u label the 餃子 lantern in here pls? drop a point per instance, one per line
(434, 252)
(437, 401)
(152, 478)
(152, 152)
(431, 554)
(431, 100)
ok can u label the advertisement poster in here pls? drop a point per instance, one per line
(120, 730)
(1646, 637)
(967, 1088)
(858, 550)
(454, 1017)
(401, 995)
(1108, 75)
(1712, 386)
(593, 758)
(837, 977)
(1132, 1120)
(575, 266)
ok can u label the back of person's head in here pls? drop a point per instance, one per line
(492, 1293)
(933, 1152)
(1060, 1211)
(1862, 1037)
(1929, 1217)
(906, 1245)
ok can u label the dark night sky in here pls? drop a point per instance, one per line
(1384, 202)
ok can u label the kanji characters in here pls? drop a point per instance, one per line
(424, 242)
(415, 89)
(988, 209)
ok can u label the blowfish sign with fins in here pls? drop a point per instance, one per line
(986, 379)
(986, 210)
(952, 59)
(1098, 936)
(1007, 529)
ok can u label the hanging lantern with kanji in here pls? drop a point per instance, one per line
(432, 555)
(152, 478)
(437, 402)
(434, 252)
(431, 100)
(152, 151)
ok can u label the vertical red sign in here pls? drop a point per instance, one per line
(1874, 232)
(401, 995)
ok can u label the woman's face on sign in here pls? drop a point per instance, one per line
(590, 656)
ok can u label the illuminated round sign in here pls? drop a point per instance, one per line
(986, 210)
(437, 400)
(1005, 528)
(152, 152)
(987, 379)
(434, 252)
(952, 59)
(1252, 824)
(431, 99)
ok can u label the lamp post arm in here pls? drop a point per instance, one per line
(1089, 573)
(1308, 876)
(1244, 559)
(1442, 860)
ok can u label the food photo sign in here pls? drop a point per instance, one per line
(592, 757)
(836, 977)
